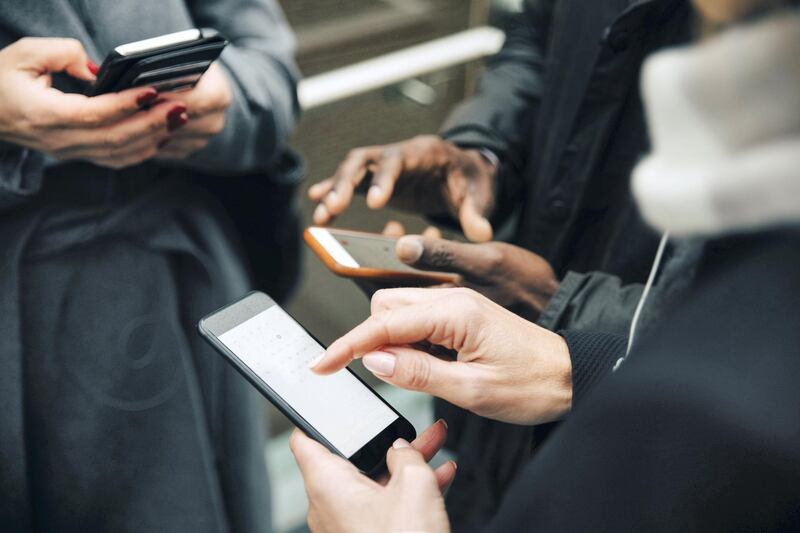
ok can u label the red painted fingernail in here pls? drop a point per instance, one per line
(162, 144)
(93, 67)
(177, 117)
(147, 98)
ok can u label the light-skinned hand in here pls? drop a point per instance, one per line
(111, 130)
(507, 368)
(408, 498)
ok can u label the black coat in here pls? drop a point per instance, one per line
(699, 429)
(560, 107)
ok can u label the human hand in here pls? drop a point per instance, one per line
(425, 174)
(507, 368)
(407, 498)
(111, 130)
(206, 106)
(513, 277)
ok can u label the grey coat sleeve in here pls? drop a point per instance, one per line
(20, 174)
(593, 302)
(260, 64)
(501, 113)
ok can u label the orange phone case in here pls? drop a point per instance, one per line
(421, 277)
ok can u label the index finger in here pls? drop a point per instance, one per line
(400, 326)
(79, 111)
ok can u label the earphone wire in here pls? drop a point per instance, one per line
(662, 245)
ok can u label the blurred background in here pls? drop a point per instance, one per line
(377, 71)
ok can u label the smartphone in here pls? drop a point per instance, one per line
(271, 350)
(354, 254)
(167, 63)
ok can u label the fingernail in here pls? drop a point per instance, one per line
(443, 422)
(314, 362)
(401, 443)
(331, 196)
(176, 118)
(162, 144)
(147, 98)
(380, 364)
(321, 214)
(374, 193)
(409, 249)
(93, 67)
(455, 465)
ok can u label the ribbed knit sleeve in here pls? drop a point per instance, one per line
(593, 357)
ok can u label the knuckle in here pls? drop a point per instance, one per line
(494, 257)
(379, 301)
(419, 372)
(114, 141)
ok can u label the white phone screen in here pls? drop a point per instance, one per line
(340, 407)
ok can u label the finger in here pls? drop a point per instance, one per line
(394, 228)
(431, 440)
(317, 191)
(445, 474)
(432, 232)
(109, 141)
(384, 178)
(409, 469)
(179, 149)
(349, 174)
(428, 443)
(139, 152)
(55, 55)
(201, 127)
(444, 255)
(414, 370)
(78, 111)
(476, 226)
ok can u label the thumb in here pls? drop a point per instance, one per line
(443, 255)
(418, 371)
(476, 226)
(46, 55)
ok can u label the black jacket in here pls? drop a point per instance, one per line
(699, 429)
(560, 107)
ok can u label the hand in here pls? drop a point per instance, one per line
(111, 130)
(206, 104)
(408, 498)
(513, 277)
(507, 369)
(425, 174)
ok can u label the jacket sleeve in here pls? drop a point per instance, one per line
(593, 357)
(20, 175)
(259, 62)
(500, 115)
(594, 301)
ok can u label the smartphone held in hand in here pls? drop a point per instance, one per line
(167, 63)
(272, 351)
(368, 256)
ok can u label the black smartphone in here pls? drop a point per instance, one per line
(170, 62)
(273, 351)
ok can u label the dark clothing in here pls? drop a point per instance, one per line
(560, 106)
(116, 416)
(698, 430)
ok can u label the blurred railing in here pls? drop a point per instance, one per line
(400, 66)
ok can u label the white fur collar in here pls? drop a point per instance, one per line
(724, 119)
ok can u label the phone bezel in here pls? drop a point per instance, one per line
(115, 68)
(370, 459)
(420, 277)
